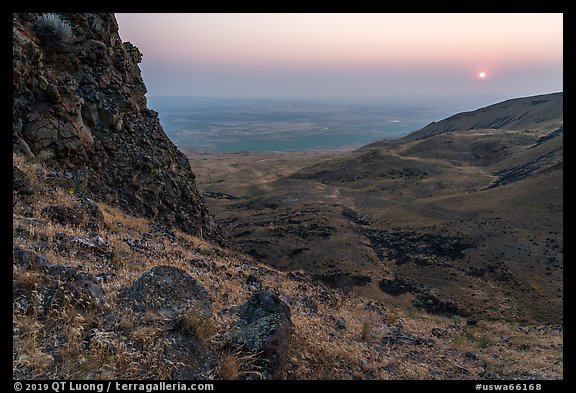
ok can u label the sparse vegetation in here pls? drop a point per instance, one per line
(367, 327)
(484, 341)
(29, 280)
(405, 237)
(417, 210)
(392, 316)
(54, 29)
(407, 246)
(229, 367)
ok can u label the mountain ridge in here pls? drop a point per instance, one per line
(512, 114)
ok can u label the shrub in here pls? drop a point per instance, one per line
(485, 342)
(229, 367)
(54, 29)
(367, 327)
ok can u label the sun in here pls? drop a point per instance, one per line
(482, 75)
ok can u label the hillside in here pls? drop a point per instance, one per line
(99, 294)
(519, 114)
(471, 219)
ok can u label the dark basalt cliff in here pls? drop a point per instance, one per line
(80, 107)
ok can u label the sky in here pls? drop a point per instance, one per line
(348, 55)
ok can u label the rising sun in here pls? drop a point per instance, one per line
(482, 75)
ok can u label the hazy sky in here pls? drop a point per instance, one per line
(348, 55)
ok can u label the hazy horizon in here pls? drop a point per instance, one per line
(445, 106)
(349, 56)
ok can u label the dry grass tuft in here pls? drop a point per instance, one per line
(28, 280)
(236, 365)
(119, 221)
(229, 367)
(196, 324)
(392, 316)
(367, 327)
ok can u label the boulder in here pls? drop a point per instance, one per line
(176, 295)
(192, 359)
(168, 290)
(63, 215)
(71, 287)
(264, 329)
(397, 336)
(440, 332)
(30, 260)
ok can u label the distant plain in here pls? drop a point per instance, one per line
(232, 125)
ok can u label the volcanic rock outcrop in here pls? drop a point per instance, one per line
(79, 106)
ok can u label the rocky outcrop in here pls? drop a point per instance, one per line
(79, 105)
(265, 329)
(59, 287)
(20, 183)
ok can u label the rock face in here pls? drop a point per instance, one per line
(79, 105)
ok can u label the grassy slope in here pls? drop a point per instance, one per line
(50, 343)
(292, 216)
(518, 114)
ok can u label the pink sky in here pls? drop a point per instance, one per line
(339, 54)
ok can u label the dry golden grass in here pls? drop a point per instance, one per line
(28, 280)
(229, 367)
(117, 220)
(193, 322)
(34, 172)
(145, 334)
(236, 365)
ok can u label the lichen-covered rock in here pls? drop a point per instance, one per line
(71, 287)
(265, 329)
(30, 260)
(173, 293)
(192, 359)
(168, 290)
(63, 215)
(20, 183)
(79, 104)
(263, 304)
(95, 217)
